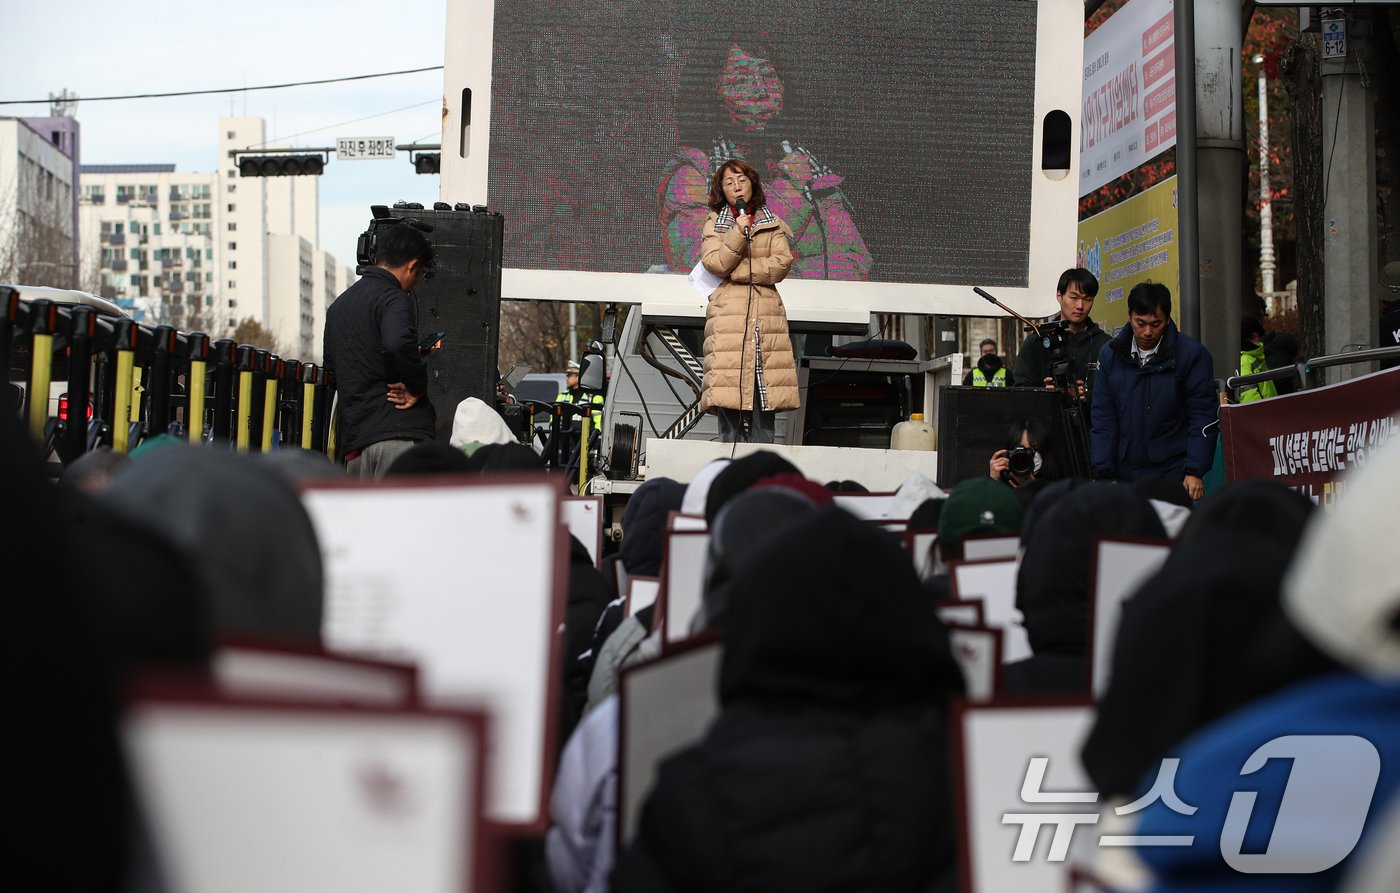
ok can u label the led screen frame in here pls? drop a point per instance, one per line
(1051, 217)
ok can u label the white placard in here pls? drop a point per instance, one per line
(1120, 567)
(274, 799)
(978, 652)
(250, 671)
(677, 521)
(619, 575)
(583, 515)
(365, 148)
(667, 704)
(1128, 113)
(685, 581)
(921, 551)
(435, 575)
(964, 613)
(985, 547)
(641, 593)
(994, 582)
(870, 506)
(996, 745)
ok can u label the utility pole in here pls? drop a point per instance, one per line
(1350, 251)
(1219, 165)
(573, 331)
(1266, 204)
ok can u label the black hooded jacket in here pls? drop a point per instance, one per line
(370, 341)
(588, 596)
(1203, 637)
(1056, 573)
(827, 768)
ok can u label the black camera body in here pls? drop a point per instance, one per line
(367, 246)
(1054, 336)
(1021, 461)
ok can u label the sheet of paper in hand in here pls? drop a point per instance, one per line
(703, 281)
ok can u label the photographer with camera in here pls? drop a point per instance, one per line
(1028, 455)
(1080, 338)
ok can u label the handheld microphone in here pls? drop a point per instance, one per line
(742, 206)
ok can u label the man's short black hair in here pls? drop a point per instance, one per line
(1250, 326)
(401, 243)
(1087, 282)
(986, 341)
(1148, 297)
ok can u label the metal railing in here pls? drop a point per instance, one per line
(140, 381)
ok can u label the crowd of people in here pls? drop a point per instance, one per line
(829, 764)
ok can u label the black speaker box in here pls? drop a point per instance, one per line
(462, 299)
(973, 422)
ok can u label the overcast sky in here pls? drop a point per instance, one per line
(156, 46)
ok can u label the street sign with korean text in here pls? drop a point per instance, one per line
(364, 148)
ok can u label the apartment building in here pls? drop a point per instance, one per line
(208, 250)
(150, 233)
(38, 219)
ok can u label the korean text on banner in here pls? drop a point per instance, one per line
(1131, 242)
(1129, 97)
(1309, 439)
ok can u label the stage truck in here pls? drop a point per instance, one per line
(916, 150)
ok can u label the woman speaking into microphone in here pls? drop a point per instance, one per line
(750, 373)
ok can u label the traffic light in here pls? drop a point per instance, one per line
(281, 165)
(427, 162)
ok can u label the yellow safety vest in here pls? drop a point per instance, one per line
(980, 381)
(597, 414)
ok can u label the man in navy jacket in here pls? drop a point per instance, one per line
(1154, 401)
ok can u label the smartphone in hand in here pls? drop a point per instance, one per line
(431, 341)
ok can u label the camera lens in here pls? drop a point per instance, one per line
(1021, 461)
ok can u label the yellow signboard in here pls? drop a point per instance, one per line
(1131, 242)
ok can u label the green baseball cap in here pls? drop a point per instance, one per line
(978, 505)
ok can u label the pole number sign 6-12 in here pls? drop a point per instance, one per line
(363, 148)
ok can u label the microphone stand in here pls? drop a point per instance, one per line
(1030, 325)
(742, 208)
(1073, 424)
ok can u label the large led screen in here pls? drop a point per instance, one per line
(894, 138)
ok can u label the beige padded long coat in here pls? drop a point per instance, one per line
(735, 308)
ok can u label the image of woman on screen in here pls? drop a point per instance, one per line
(801, 190)
(749, 370)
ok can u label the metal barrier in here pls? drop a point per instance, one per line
(1304, 372)
(127, 382)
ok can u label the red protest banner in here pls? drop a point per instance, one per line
(1308, 439)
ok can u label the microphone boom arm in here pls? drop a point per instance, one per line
(1032, 326)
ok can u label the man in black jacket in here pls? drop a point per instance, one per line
(373, 355)
(1075, 293)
